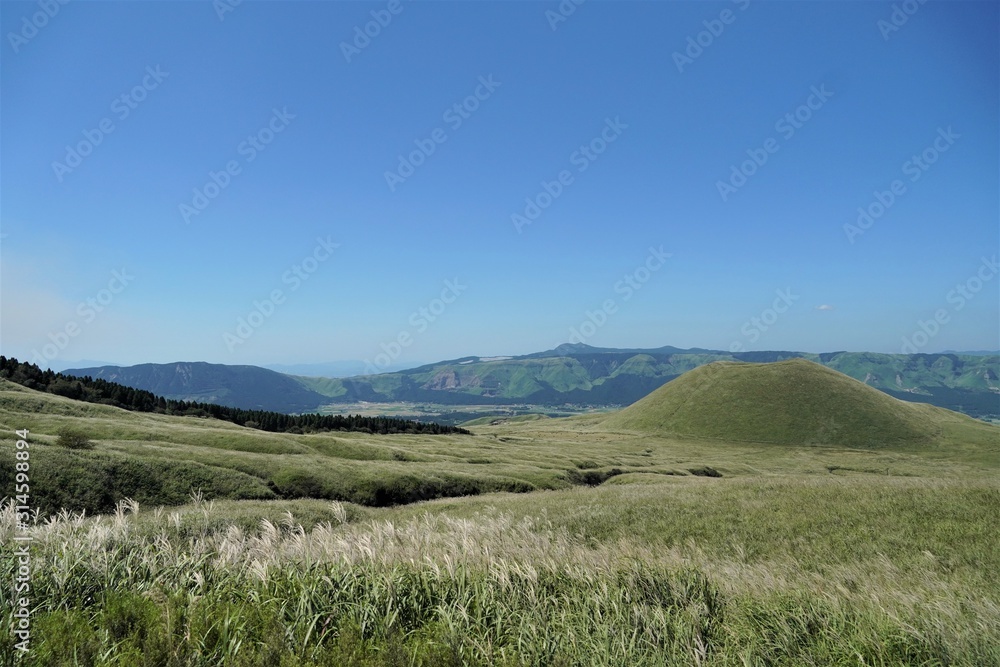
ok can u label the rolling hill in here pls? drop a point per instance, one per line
(792, 402)
(711, 420)
(827, 553)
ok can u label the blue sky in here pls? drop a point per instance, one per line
(644, 125)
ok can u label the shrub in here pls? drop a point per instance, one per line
(74, 439)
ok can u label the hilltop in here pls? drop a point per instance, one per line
(792, 402)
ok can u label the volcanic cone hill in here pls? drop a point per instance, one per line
(793, 402)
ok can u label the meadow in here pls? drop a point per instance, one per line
(543, 542)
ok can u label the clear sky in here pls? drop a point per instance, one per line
(687, 173)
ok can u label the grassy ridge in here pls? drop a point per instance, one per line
(160, 459)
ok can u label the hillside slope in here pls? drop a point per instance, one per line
(159, 459)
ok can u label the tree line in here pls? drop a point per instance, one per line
(103, 392)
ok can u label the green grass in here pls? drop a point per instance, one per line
(159, 460)
(622, 553)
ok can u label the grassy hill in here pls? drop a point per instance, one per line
(793, 402)
(622, 546)
(161, 459)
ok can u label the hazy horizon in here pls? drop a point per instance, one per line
(268, 183)
(352, 367)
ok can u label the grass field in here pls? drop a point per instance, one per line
(621, 547)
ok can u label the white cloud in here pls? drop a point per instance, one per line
(825, 306)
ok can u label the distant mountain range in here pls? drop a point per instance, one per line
(58, 365)
(330, 369)
(571, 373)
(248, 387)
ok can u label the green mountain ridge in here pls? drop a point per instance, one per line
(570, 374)
(247, 387)
(597, 376)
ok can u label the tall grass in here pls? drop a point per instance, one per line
(179, 588)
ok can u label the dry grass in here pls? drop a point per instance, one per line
(500, 582)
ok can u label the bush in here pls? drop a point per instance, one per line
(73, 439)
(705, 471)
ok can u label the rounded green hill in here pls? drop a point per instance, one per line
(793, 402)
